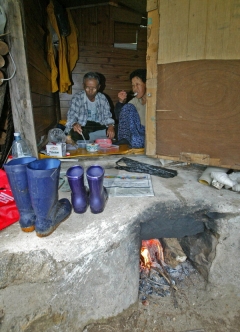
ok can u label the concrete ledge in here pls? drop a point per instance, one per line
(89, 267)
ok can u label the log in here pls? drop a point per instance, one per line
(3, 48)
(2, 61)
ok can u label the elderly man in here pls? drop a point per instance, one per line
(89, 111)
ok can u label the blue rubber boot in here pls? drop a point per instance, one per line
(97, 192)
(79, 195)
(43, 177)
(16, 171)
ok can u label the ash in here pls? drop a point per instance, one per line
(159, 280)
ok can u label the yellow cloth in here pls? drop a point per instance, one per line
(72, 43)
(52, 63)
(63, 64)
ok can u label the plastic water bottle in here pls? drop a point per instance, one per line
(19, 147)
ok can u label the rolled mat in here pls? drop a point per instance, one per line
(139, 167)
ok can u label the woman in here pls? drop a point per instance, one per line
(131, 115)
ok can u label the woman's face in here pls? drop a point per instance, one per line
(138, 87)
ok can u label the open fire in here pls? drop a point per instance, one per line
(157, 277)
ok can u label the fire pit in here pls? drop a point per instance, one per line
(156, 277)
(88, 269)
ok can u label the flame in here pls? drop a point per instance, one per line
(146, 257)
(151, 251)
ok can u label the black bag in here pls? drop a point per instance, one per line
(138, 167)
(62, 19)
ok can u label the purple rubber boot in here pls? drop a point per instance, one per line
(97, 192)
(16, 171)
(79, 195)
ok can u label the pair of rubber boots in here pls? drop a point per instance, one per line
(34, 184)
(97, 195)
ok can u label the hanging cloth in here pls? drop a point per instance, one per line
(72, 44)
(51, 60)
(64, 76)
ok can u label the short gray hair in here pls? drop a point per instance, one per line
(91, 75)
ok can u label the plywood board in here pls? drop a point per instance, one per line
(198, 111)
(198, 29)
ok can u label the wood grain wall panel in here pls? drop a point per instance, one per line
(123, 15)
(105, 32)
(45, 118)
(39, 82)
(198, 110)
(86, 22)
(37, 55)
(199, 29)
(101, 50)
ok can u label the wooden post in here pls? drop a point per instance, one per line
(19, 85)
(152, 54)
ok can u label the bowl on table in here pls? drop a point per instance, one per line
(92, 147)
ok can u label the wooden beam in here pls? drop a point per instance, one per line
(152, 54)
(19, 84)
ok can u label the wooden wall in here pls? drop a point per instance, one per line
(45, 105)
(198, 30)
(96, 52)
(198, 101)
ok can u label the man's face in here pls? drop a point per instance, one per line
(91, 87)
(139, 87)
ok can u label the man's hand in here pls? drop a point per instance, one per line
(77, 127)
(110, 132)
(122, 96)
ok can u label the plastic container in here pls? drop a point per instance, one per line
(92, 147)
(82, 144)
(104, 142)
(19, 147)
(109, 149)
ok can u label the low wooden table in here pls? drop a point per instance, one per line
(123, 149)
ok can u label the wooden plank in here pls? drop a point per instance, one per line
(105, 34)
(153, 24)
(104, 60)
(19, 84)
(198, 11)
(125, 32)
(109, 51)
(86, 23)
(199, 29)
(126, 16)
(39, 83)
(173, 30)
(223, 30)
(152, 5)
(41, 100)
(198, 111)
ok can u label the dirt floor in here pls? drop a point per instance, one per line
(194, 307)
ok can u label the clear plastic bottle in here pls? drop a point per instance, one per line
(19, 147)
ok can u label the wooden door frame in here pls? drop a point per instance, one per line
(19, 86)
(151, 59)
